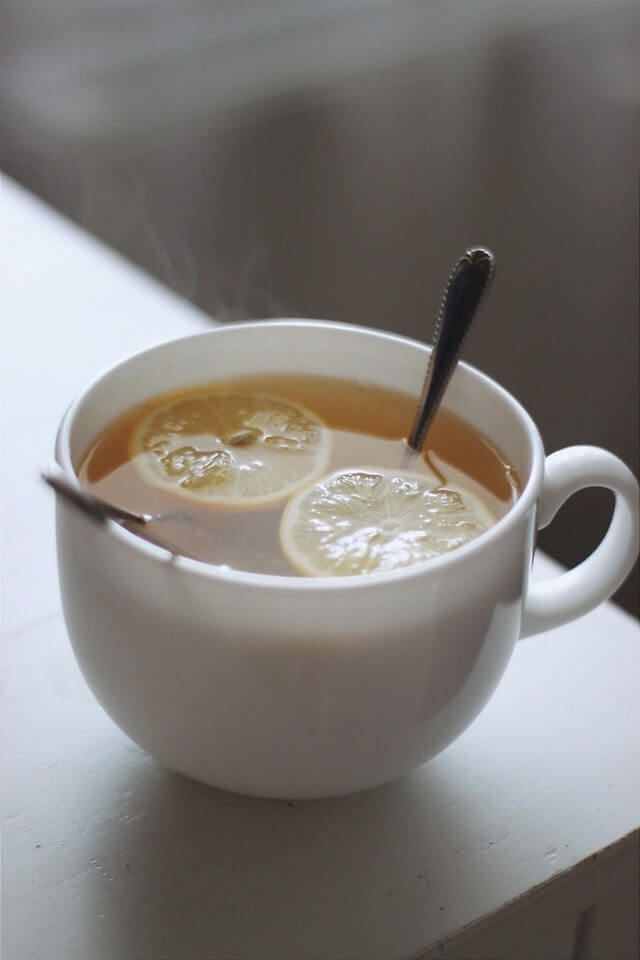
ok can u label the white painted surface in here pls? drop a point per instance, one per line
(106, 855)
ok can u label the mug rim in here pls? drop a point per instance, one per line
(202, 569)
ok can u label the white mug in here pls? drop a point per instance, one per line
(311, 687)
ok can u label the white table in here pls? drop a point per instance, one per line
(520, 840)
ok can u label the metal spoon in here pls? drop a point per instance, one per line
(467, 284)
(468, 281)
(101, 511)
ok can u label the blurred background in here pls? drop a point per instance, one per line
(331, 159)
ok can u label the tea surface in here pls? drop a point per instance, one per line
(367, 426)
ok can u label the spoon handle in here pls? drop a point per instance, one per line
(101, 511)
(95, 508)
(468, 282)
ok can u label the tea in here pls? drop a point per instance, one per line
(339, 424)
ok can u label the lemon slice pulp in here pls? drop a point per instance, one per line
(228, 448)
(368, 520)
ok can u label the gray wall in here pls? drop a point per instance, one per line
(333, 159)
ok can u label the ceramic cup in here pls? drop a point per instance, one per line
(302, 687)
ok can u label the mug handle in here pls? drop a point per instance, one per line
(553, 602)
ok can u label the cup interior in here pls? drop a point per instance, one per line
(303, 346)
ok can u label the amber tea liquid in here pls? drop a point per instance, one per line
(368, 425)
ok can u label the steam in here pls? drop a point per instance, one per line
(121, 218)
(228, 286)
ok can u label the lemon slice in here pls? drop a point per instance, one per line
(227, 448)
(367, 520)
